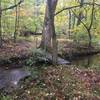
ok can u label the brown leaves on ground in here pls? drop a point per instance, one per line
(55, 83)
(90, 78)
(65, 83)
(11, 50)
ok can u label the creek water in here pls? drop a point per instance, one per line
(92, 61)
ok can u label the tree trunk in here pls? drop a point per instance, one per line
(0, 26)
(49, 37)
(81, 13)
(48, 28)
(70, 17)
(16, 22)
(91, 24)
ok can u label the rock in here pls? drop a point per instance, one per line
(9, 79)
(60, 61)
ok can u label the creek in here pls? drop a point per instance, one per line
(92, 61)
(9, 78)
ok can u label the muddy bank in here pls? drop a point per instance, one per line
(19, 61)
(14, 62)
(72, 51)
(15, 53)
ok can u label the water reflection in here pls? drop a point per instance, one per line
(89, 61)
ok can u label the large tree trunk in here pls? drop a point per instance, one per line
(49, 42)
(49, 29)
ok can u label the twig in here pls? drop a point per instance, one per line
(72, 7)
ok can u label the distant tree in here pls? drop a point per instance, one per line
(0, 25)
(88, 27)
(80, 13)
(16, 21)
(70, 22)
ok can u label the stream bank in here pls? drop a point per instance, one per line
(16, 55)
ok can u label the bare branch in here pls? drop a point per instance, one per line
(80, 20)
(67, 8)
(13, 6)
(72, 7)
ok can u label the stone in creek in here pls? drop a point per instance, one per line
(10, 78)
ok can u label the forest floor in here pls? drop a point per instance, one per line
(11, 49)
(63, 82)
(59, 83)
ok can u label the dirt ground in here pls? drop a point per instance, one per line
(20, 48)
(62, 83)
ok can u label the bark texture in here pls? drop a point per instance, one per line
(49, 42)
